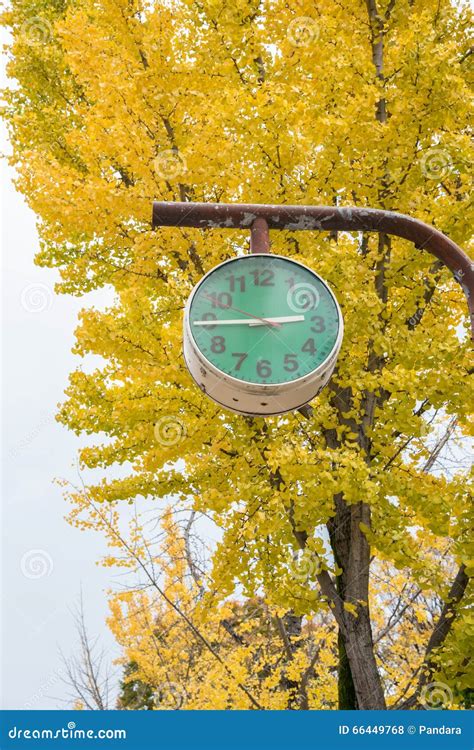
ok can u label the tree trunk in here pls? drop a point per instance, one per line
(360, 686)
(360, 655)
(345, 684)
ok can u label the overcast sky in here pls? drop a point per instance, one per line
(44, 560)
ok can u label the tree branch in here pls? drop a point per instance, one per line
(439, 635)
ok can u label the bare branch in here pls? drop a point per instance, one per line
(434, 455)
(86, 675)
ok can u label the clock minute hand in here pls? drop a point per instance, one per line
(247, 322)
(229, 322)
(250, 315)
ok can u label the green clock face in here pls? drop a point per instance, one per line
(264, 319)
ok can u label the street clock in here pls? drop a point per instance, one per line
(262, 334)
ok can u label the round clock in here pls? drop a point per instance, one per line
(262, 334)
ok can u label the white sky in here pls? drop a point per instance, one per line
(38, 331)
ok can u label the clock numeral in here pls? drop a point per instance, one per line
(290, 363)
(264, 369)
(218, 344)
(309, 346)
(263, 278)
(241, 358)
(266, 278)
(319, 325)
(223, 299)
(237, 280)
(290, 282)
(209, 316)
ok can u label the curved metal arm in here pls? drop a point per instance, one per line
(323, 218)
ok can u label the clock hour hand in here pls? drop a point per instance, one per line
(280, 320)
(244, 312)
(246, 321)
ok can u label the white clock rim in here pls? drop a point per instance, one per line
(265, 387)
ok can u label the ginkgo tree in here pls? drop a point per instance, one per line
(358, 103)
(182, 648)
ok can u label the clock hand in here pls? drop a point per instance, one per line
(251, 323)
(281, 319)
(250, 315)
(234, 322)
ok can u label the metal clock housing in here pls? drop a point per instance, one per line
(261, 334)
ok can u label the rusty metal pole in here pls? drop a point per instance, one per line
(259, 218)
(259, 236)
